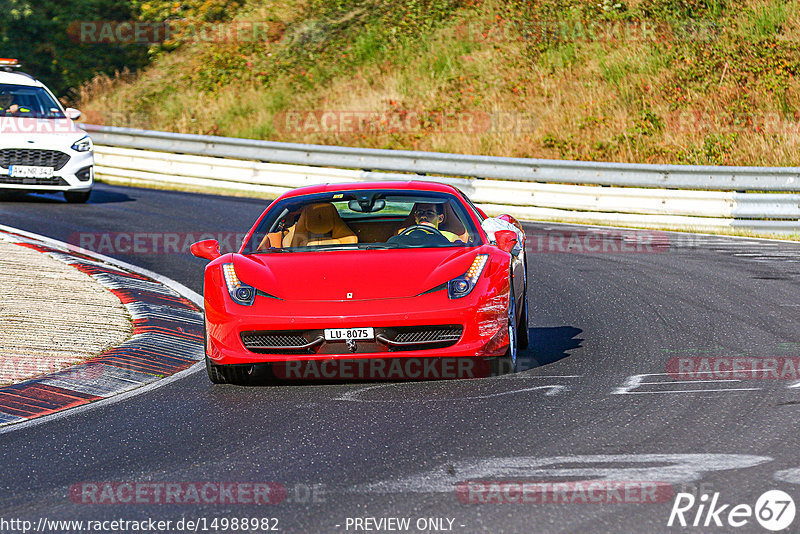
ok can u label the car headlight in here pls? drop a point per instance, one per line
(464, 284)
(240, 292)
(84, 145)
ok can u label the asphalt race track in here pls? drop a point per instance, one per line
(601, 401)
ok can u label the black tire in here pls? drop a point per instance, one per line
(77, 197)
(225, 374)
(238, 375)
(523, 335)
(522, 328)
(213, 373)
(510, 360)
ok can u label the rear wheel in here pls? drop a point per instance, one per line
(77, 197)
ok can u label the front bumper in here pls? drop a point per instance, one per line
(76, 175)
(481, 318)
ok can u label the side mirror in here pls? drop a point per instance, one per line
(506, 240)
(72, 113)
(209, 249)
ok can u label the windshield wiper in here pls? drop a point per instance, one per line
(376, 246)
(272, 249)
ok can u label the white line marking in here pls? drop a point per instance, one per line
(634, 381)
(520, 376)
(680, 468)
(350, 396)
(688, 382)
(687, 391)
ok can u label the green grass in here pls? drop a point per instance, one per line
(768, 20)
(597, 92)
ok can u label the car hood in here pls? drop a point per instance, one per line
(29, 133)
(366, 274)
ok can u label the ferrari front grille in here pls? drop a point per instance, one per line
(34, 157)
(429, 334)
(420, 337)
(397, 338)
(267, 342)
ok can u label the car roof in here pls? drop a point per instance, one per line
(411, 185)
(19, 78)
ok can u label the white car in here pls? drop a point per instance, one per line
(41, 148)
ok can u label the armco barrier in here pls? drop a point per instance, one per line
(686, 196)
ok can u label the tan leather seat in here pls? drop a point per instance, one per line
(319, 224)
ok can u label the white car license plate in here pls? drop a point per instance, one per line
(29, 171)
(343, 334)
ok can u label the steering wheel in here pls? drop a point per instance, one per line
(420, 235)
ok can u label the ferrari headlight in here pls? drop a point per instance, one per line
(240, 292)
(84, 145)
(464, 284)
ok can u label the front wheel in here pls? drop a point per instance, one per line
(510, 358)
(224, 374)
(77, 197)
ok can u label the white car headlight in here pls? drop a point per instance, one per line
(84, 145)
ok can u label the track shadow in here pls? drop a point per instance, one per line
(548, 345)
(104, 196)
(99, 196)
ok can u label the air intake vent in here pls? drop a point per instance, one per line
(33, 157)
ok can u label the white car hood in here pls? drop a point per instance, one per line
(24, 132)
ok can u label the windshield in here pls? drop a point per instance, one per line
(371, 219)
(25, 101)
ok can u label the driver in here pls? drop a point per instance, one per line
(9, 108)
(431, 214)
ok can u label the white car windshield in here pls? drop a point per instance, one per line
(27, 101)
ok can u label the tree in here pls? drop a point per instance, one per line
(38, 33)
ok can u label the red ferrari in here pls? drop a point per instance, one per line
(366, 270)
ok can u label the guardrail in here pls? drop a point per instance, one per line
(699, 197)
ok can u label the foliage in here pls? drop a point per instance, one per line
(36, 33)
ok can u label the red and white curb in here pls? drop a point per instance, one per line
(167, 338)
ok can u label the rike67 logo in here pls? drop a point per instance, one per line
(774, 510)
